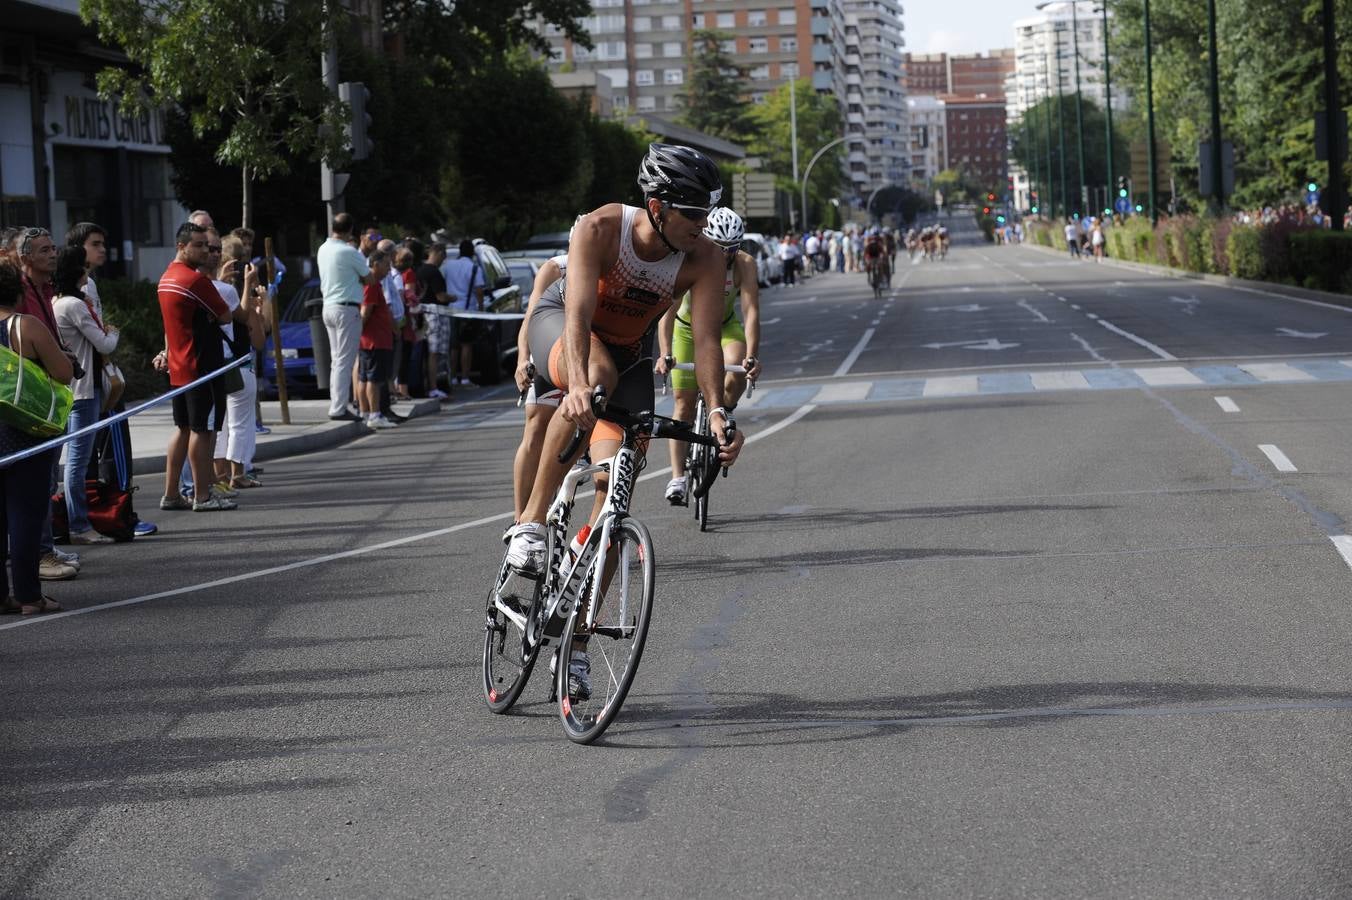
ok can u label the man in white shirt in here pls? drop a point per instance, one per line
(342, 273)
(465, 284)
(1073, 238)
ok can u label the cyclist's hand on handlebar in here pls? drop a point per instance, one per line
(728, 452)
(577, 407)
(525, 372)
(753, 368)
(663, 365)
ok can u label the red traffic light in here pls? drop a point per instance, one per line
(985, 210)
(990, 198)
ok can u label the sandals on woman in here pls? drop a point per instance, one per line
(244, 481)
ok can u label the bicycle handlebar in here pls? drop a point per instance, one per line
(644, 422)
(674, 366)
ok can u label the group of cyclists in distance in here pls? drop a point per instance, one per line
(671, 273)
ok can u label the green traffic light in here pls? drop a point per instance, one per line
(1034, 209)
(1312, 186)
(1139, 207)
(1121, 192)
(1000, 219)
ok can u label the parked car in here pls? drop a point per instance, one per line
(545, 245)
(298, 355)
(523, 269)
(495, 353)
(765, 251)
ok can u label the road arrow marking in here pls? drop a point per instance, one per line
(1189, 304)
(987, 344)
(1307, 335)
(969, 307)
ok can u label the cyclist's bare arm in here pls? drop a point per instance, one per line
(666, 327)
(706, 326)
(591, 251)
(548, 274)
(750, 290)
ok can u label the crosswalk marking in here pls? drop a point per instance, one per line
(843, 392)
(1279, 460)
(1167, 376)
(1060, 381)
(951, 386)
(1276, 372)
(830, 390)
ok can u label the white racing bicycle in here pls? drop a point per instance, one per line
(598, 601)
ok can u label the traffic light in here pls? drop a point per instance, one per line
(1034, 209)
(985, 210)
(357, 95)
(990, 198)
(1000, 219)
(1122, 186)
(1311, 187)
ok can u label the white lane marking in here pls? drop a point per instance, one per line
(1060, 381)
(1158, 351)
(844, 367)
(1344, 544)
(1279, 460)
(783, 423)
(1092, 316)
(1074, 306)
(1167, 375)
(775, 321)
(1276, 372)
(1332, 306)
(1028, 306)
(843, 392)
(1346, 362)
(950, 386)
(1304, 335)
(1227, 405)
(876, 322)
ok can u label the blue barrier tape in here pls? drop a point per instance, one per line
(125, 414)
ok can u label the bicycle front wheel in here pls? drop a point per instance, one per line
(508, 657)
(597, 665)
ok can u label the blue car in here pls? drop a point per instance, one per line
(298, 354)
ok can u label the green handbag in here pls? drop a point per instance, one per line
(29, 400)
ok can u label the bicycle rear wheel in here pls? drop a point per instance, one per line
(614, 644)
(507, 662)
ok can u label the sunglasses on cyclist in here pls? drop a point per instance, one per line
(693, 213)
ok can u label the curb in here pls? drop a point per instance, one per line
(1272, 289)
(321, 436)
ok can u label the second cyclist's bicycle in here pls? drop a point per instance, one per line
(701, 461)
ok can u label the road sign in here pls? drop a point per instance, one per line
(1311, 198)
(754, 194)
(1123, 205)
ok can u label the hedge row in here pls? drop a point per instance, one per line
(1280, 252)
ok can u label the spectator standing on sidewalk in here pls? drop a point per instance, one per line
(83, 331)
(242, 336)
(342, 274)
(37, 263)
(377, 345)
(432, 295)
(404, 338)
(392, 286)
(788, 255)
(24, 485)
(1073, 238)
(192, 310)
(465, 285)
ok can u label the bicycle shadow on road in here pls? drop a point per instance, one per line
(750, 720)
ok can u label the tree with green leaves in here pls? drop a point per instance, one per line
(1029, 148)
(711, 99)
(246, 71)
(1271, 83)
(819, 123)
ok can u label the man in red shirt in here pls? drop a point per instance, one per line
(193, 312)
(375, 355)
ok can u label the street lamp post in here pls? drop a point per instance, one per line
(1333, 128)
(1217, 175)
(1150, 119)
(1060, 122)
(807, 173)
(1079, 97)
(1047, 134)
(1108, 100)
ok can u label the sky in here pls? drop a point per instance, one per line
(962, 26)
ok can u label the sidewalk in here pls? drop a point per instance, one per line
(310, 430)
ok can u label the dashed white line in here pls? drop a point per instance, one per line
(849, 361)
(1227, 405)
(1280, 461)
(1158, 351)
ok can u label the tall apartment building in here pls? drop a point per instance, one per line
(1036, 43)
(851, 50)
(875, 102)
(967, 93)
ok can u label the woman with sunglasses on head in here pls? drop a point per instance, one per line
(740, 344)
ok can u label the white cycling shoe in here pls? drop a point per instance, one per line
(526, 549)
(676, 491)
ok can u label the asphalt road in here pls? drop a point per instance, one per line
(1045, 622)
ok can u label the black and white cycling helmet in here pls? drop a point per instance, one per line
(680, 175)
(725, 228)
